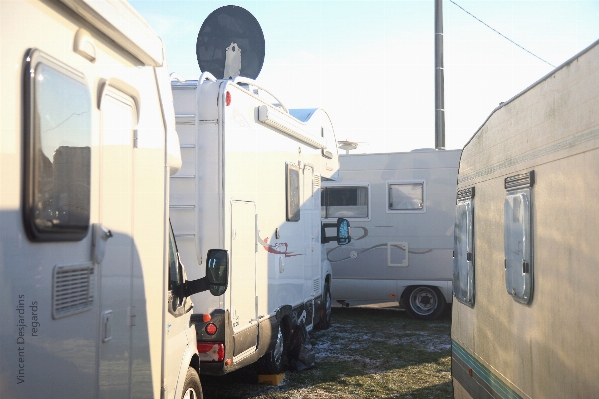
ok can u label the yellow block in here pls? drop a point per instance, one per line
(271, 379)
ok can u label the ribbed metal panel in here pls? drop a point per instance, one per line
(72, 290)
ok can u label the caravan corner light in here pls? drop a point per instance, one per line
(228, 98)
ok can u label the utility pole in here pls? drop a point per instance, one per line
(439, 81)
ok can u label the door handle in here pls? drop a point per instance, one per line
(100, 236)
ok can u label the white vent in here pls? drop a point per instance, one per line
(316, 286)
(72, 290)
(316, 180)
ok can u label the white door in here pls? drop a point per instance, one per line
(244, 302)
(116, 178)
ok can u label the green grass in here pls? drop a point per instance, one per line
(367, 353)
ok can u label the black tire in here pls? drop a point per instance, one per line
(325, 319)
(423, 302)
(273, 362)
(192, 389)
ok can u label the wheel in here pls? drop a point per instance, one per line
(325, 319)
(423, 302)
(192, 389)
(273, 361)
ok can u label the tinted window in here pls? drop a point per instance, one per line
(58, 153)
(293, 193)
(406, 196)
(518, 245)
(346, 202)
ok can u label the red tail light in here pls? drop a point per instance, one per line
(210, 329)
(228, 99)
(211, 351)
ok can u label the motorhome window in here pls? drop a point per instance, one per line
(345, 202)
(406, 196)
(57, 205)
(518, 245)
(293, 193)
(463, 253)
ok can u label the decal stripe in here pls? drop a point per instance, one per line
(482, 383)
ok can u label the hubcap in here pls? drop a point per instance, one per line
(423, 301)
(190, 394)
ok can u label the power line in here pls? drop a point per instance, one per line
(499, 33)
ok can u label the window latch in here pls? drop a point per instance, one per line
(525, 267)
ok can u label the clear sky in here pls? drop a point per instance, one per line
(370, 64)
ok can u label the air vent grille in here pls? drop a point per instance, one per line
(72, 290)
(316, 180)
(316, 285)
(465, 194)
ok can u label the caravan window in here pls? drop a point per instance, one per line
(406, 196)
(517, 246)
(463, 248)
(517, 237)
(58, 151)
(344, 202)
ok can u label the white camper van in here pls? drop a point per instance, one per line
(401, 207)
(524, 324)
(250, 183)
(94, 298)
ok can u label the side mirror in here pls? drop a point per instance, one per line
(343, 236)
(217, 271)
(343, 233)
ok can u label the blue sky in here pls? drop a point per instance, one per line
(370, 64)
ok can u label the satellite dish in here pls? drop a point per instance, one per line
(231, 40)
(349, 145)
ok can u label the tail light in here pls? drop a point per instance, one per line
(228, 99)
(210, 328)
(211, 351)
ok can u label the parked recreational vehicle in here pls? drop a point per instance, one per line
(250, 183)
(94, 298)
(401, 207)
(525, 272)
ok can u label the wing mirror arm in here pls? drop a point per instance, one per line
(196, 286)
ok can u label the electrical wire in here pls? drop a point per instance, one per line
(499, 33)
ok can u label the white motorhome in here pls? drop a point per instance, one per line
(94, 299)
(524, 322)
(401, 207)
(250, 183)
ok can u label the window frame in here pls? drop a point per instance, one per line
(388, 183)
(352, 184)
(522, 288)
(465, 199)
(32, 141)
